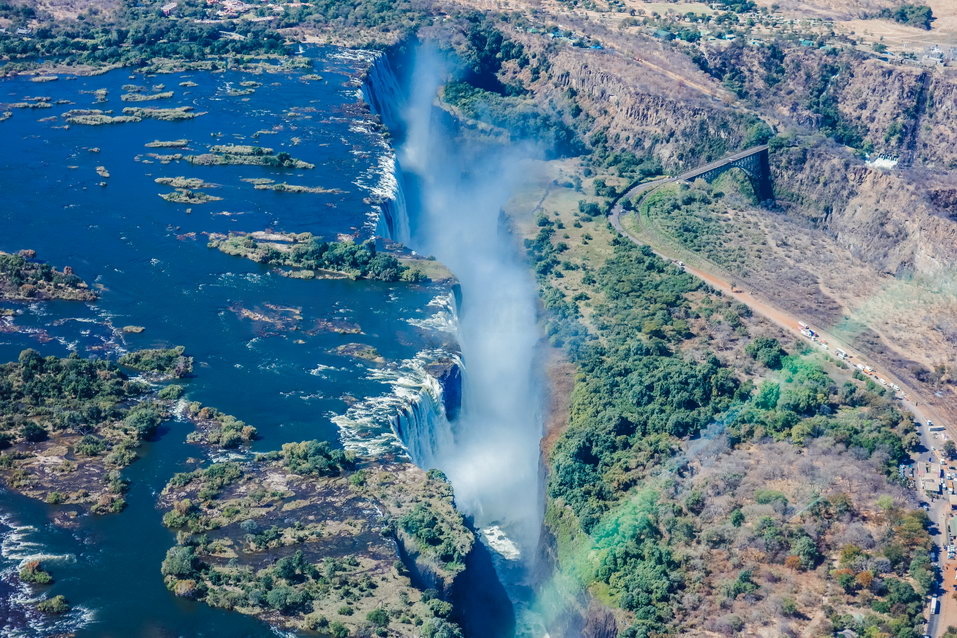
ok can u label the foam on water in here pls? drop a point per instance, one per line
(409, 421)
(18, 545)
(445, 319)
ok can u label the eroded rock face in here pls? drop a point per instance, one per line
(896, 109)
(881, 217)
(448, 372)
(642, 97)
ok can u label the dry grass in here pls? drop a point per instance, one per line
(730, 480)
(906, 325)
(70, 9)
(550, 191)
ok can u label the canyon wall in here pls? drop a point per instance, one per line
(883, 217)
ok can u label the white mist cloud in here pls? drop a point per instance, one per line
(463, 185)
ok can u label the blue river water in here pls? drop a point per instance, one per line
(149, 257)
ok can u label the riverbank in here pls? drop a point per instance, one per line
(274, 351)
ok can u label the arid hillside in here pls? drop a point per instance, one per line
(836, 107)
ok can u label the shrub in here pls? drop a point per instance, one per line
(33, 432)
(55, 605)
(766, 351)
(32, 572)
(378, 617)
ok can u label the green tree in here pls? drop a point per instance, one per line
(378, 617)
(950, 449)
(440, 628)
(180, 562)
(806, 550)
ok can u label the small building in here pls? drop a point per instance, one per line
(168, 8)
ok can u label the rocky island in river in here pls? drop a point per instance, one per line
(307, 539)
(682, 364)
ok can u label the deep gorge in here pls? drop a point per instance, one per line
(449, 195)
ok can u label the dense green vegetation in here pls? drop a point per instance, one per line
(163, 362)
(481, 95)
(139, 34)
(55, 605)
(485, 51)
(641, 390)
(400, 16)
(24, 279)
(87, 413)
(304, 504)
(915, 15)
(434, 536)
(306, 252)
(32, 572)
(316, 458)
(44, 395)
(216, 428)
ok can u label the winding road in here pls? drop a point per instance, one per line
(711, 274)
(912, 400)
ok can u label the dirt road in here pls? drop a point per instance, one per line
(912, 400)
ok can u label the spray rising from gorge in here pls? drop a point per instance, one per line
(456, 189)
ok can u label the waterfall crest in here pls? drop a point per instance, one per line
(488, 445)
(383, 93)
(490, 449)
(410, 420)
(460, 187)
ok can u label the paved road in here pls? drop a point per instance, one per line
(939, 513)
(912, 402)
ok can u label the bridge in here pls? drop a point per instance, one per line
(753, 161)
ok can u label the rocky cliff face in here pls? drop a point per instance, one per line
(897, 109)
(882, 217)
(642, 96)
(448, 372)
(935, 142)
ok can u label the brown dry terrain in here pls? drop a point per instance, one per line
(865, 252)
(71, 9)
(826, 491)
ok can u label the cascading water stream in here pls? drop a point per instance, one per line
(454, 190)
(461, 187)
(383, 92)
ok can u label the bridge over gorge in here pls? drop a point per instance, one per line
(762, 304)
(753, 161)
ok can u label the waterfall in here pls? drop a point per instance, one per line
(410, 420)
(393, 211)
(424, 425)
(383, 93)
(488, 447)
(459, 187)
